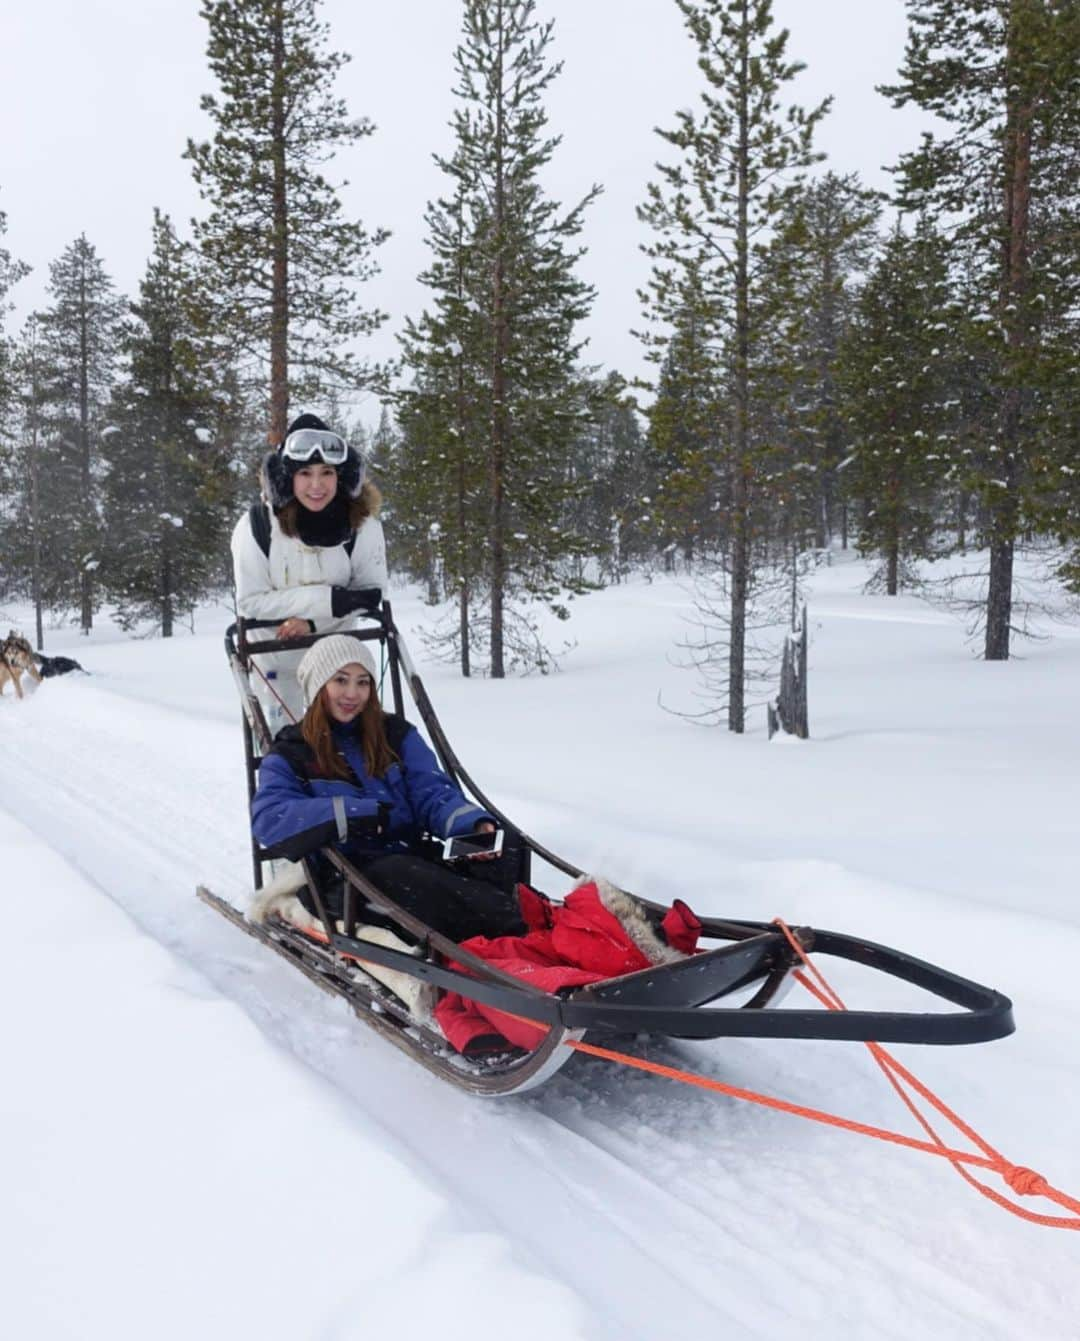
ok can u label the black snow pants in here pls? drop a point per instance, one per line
(457, 905)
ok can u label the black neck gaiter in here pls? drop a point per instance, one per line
(325, 528)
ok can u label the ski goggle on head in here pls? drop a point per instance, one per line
(307, 443)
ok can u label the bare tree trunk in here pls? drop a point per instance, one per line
(35, 487)
(464, 565)
(894, 494)
(279, 205)
(830, 445)
(740, 499)
(892, 565)
(166, 588)
(499, 444)
(1004, 511)
(86, 588)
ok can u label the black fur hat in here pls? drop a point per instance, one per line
(278, 470)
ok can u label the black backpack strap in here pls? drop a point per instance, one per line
(259, 517)
(349, 543)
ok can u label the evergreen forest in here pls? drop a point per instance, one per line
(831, 367)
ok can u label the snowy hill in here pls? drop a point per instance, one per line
(197, 1142)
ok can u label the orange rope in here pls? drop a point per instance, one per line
(1023, 1182)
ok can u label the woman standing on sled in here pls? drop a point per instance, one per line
(311, 555)
(365, 781)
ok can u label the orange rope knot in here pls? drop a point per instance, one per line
(1026, 1182)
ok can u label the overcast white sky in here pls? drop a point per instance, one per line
(98, 97)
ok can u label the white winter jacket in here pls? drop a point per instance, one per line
(294, 581)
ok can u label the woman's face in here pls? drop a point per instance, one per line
(347, 692)
(315, 486)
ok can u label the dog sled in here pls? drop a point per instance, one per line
(731, 987)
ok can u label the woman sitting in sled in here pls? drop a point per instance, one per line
(364, 781)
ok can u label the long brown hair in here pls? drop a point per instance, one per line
(370, 728)
(366, 505)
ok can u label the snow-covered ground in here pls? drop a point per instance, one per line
(197, 1142)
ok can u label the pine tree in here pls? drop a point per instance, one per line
(79, 345)
(1004, 75)
(831, 240)
(21, 522)
(686, 418)
(445, 416)
(167, 490)
(283, 262)
(495, 383)
(715, 211)
(610, 484)
(11, 271)
(900, 371)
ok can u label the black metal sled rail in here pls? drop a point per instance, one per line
(730, 989)
(675, 999)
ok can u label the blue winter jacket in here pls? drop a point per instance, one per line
(295, 811)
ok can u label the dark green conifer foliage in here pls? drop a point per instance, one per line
(168, 492)
(1005, 77)
(79, 337)
(686, 437)
(11, 271)
(283, 263)
(899, 376)
(21, 522)
(830, 241)
(442, 468)
(610, 484)
(495, 388)
(715, 211)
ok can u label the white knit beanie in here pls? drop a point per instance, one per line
(322, 661)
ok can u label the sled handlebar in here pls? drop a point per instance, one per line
(237, 645)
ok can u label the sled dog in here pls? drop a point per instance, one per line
(56, 665)
(16, 657)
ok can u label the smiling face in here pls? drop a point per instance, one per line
(347, 692)
(315, 486)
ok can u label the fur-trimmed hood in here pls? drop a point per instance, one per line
(275, 479)
(631, 916)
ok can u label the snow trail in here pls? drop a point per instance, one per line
(661, 1211)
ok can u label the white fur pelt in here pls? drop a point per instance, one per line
(278, 899)
(634, 920)
(418, 996)
(279, 896)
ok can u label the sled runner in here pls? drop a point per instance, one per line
(729, 988)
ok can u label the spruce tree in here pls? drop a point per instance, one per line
(715, 211)
(21, 522)
(611, 484)
(494, 363)
(167, 489)
(442, 466)
(11, 271)
(79, 339)
(686, 439)
(898, 385)
(1003, 75)
(831, 240)
(282, 260)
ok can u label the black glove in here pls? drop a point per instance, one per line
(368, 826)
(344, 600)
